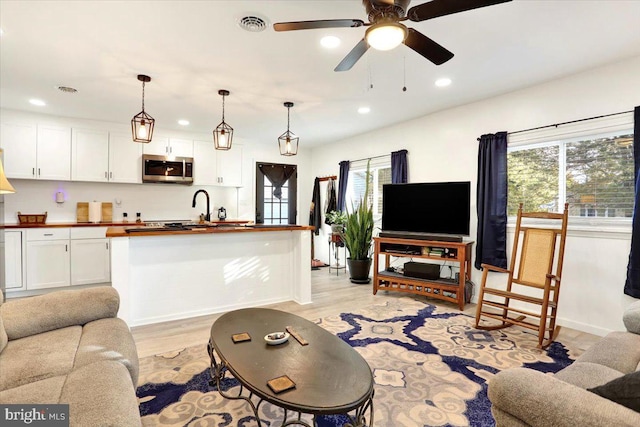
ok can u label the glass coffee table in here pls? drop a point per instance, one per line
(329, 377)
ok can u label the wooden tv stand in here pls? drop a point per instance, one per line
(460, 252)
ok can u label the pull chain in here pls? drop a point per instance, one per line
(404, 72)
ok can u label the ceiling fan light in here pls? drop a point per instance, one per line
(386, 35)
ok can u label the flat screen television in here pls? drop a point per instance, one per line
(432, 208)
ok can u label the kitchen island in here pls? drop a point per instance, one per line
(165, 275)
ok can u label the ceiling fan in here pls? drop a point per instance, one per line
(385, 31)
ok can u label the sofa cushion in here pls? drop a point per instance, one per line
(618, 350)
(29, 316)
(101, 394)
(624, 390)
(38, 357)
(38, 392)
(631, 318)
(108, 339)
(587, 374)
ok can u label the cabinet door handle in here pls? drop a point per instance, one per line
(48, 234)
(110, 174)
(33, 171)
(107, 244)
(66, 248)
(38, 171)
(105, 174)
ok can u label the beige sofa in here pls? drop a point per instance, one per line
(524, 397)
(69, 347)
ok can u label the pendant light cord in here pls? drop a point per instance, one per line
(288, 111)
(143, 96)
(222, 108)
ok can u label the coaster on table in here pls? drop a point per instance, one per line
(280, 384)
(244, 336)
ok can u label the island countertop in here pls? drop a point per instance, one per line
(217, 228)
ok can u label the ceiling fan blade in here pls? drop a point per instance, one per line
(437, 8)
(427, 47)
(312, 25)
(353, 56)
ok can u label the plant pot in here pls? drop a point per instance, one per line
(337, 228)
(359, 270)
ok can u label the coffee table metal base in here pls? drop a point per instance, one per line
(219, 369)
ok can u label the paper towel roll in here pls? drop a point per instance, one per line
(95, 211)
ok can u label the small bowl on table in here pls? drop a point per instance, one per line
(275, 338)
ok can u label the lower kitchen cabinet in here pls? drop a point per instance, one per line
(12, 262)
(90, 261)
(47, 264)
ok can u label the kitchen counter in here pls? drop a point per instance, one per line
(214, 228)
(70, 224)
(164, 275)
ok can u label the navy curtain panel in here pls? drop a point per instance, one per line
(399, 167)
(632, 284)
(343, 178)
(491, 244)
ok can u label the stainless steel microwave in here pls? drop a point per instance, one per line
(167, 169)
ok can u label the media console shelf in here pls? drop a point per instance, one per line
(459, 252)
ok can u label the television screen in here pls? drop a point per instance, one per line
(437, 207)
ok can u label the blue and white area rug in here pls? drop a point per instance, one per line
(429, 364)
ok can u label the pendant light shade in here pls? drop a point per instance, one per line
(5, 185)
(288, 141)
(223, 133)
(142, 123)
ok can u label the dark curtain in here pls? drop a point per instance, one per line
(632, 284)
(278, 175)
(399, 167)
(315, 216)
(491, 245)
(343, 178)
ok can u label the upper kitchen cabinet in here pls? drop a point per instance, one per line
(169, 147)
(125, 159)
(217, 167)
(36, 152)
(99, 156)
(90, 155)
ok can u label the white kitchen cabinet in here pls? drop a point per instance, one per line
(36, 152)
(11, 263)
(90, 262)
(99, 156)
(169, 147)
(125, 159)
(229, 167)
(48, 258)
(217, 167)
(90, 155)
(204, 160)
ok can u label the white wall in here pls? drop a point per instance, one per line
(153, 201)
(443, 147)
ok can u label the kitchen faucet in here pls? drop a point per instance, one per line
(207, 216)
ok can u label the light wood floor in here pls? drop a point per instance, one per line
(331, 294)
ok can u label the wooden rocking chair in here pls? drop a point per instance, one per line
(534, 277)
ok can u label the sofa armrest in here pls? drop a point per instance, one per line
(539, 399)
(30, 316)
(631, 318)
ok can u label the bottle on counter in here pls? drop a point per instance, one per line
(125, 217)
(138, 217)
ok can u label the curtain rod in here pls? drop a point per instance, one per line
(568, 123)
(369, 158)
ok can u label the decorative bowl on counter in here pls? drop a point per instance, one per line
(275, 338)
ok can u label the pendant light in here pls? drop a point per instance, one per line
(223, 133)
(142, 123)
(288, 141)
(5, 185)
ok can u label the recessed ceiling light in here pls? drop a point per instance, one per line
(443, 82)
(38, 102)
(330, 42)
(364, 110)
(183, 122)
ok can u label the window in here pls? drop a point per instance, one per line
(271, 209)
(593, 173)
(380, 174)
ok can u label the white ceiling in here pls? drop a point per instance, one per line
(191, 49)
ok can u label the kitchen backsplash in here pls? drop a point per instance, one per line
(153, 201)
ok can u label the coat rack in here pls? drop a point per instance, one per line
(327, 178)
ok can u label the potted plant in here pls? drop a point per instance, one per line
(358, 235)
(337, 220)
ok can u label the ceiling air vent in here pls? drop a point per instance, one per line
(252, 23)
(66, 89)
